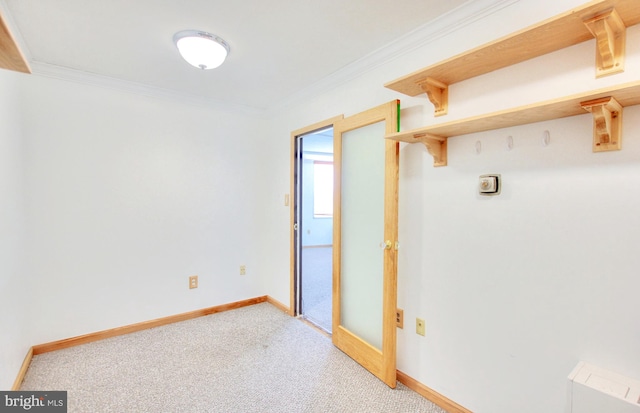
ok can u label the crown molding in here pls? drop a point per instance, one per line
(64, 73)
(464, 15)
(87, 78)
(458, 18)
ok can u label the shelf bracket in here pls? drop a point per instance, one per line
(607, 123)
(610, 33)
(436, 146)
(438, 94)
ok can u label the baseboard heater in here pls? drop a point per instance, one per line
(596, 390)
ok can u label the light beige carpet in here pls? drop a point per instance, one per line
(316, 285)
(254, 359)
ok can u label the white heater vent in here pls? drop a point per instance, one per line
(595, 390)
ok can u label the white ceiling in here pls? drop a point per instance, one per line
(278, 47)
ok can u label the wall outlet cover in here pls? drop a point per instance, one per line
(400, 318)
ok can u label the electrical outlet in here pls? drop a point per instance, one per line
(243, 270)
(399, 318)
(193, 282)
(420, 326)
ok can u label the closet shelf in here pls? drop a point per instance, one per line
(605, 112)
(10, 56)
(605, 20)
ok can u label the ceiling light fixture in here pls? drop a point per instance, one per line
(201, 49)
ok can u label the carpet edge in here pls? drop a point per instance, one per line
(278, 305)
(449, 405)
(132, 328)
(23, 370)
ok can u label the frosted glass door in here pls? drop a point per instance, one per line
(362, 232)
(365, 230)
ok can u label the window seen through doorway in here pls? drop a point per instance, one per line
(322, 189)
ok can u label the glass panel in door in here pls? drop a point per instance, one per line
(362, 232)
(364, 236)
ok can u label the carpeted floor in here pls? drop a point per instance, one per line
(316, 285)
(254, 359)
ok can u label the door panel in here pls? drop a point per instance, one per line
(362, 231)
(365, 217)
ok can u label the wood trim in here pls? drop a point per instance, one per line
(292, 203)
(362, 352)
(337, 234)
(380, 363)
(390, 261)
(438, 94)
(564, 30)
(607, 123)
(23, 370)
(132, 328)
(431, 395)
(314, 326)
(316, 126)
(10, 55)
(626, 94)
(278, 304)
(610, 33)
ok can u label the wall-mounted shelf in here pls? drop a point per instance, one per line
(10, 56)
(607, 118)
(605, 20)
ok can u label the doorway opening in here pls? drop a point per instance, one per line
(313, 225)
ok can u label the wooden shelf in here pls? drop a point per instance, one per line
(10, 56)
(604, 19)
(435, 136)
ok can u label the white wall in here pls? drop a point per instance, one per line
(515, 289)
(127, 196)
(14, 281)
(110, 201)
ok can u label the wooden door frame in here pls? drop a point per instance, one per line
(292, 191)
(365, 354)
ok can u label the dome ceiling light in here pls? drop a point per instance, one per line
(201, 49)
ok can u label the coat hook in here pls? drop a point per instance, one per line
(509, 142)
(478, 147)
(546, 138)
